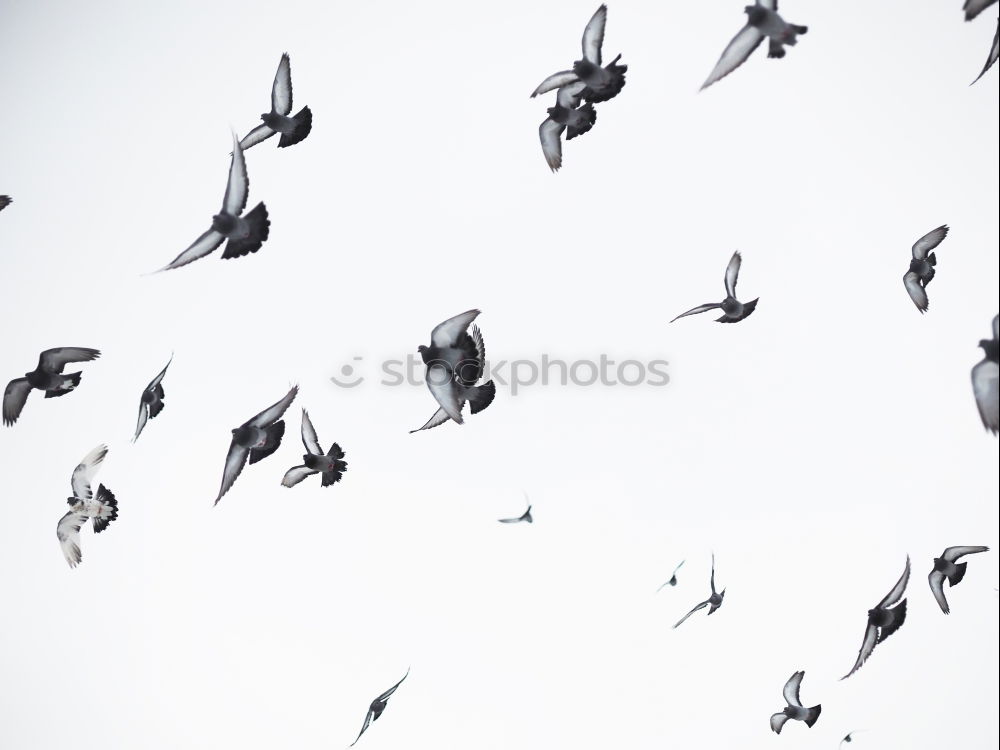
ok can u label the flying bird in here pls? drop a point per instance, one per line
(567, 116)
(673, 578)
(762, 21)
(715, 600)
(151, 401)
(973, 8)
(101, 509)
(848, 738)
(5, 200)
(292, 129)
(794, 710)
(456, 361)
(523, 518)
(48, 376)
(733, 311)
(922, 266)
(245, 233)
(984, 380)
(602, 83)
(884, 619)
(331, 465)
(990, 61)
(377, 707)
(947, 567)
(257, 438)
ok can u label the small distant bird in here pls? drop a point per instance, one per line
(5, 200)
(973, 8)
(524, 517)
(257, 438)
(151, 401)
(292, 129)
(331, 465)
(984, 380)
(762, 21)
(733, 310)
(673, 578)
(47, 376)
(245, 233)
(922, 266)
(947, 567)
(377, 707)
(715, 600)
(455, 363)
(794, 710)
(602, 83)
(566, 116)
(848, 738)
(884, 619)
(101, 509)
(990, 61)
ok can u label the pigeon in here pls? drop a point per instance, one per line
(455, 363)
(990, 61)
(257, 438)
(733, 310)
(984, 380)
(884, 619)
(762, 21)
(331, 465)
(602, 83)
(151, 401)
(292, 129)
(673, 578)
(377, 707)
(922, 266)
(848, 738)
(946, 567)
(523, 518)
(245, 233)
(101, 508)
(794, 710)
(973, 8)
(48, 377)
(566, 116)
(5, 200)
(715, 600)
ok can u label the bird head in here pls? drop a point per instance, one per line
(223, 223)
(756, 14)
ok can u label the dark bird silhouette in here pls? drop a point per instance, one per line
(151, 401)
(973, 8)
(292, 129)
(84, 506)
(331, 465)
(524, 517)
(733, 311)
(377, 707)
(714, 601)
(848, 738)
(947, 566)
(48, 376)
(922, 266)
(984, 380)
(884, 619)
(5, 200)
(673, 578)
(794, 710)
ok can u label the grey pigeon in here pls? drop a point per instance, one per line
(990, 61)
(673, 578)
(884, 619)
(377, 707)
(48, 376)
(973, 8)
(101, 509)
(602, 83)
(455, 363)
(947, 566)
(733, 311)
(762, 21)
(714, 601)
(567, 116)
(256, 438)
(848, 738)
(523, 518)
(922, 266)
(794, 710)
(151, 401)
(984, 380)
(245, 233)
(5, 200)
(292, 129)
(331, 464)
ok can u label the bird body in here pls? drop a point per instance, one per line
(948, 567)
(47, 376)
(378, 706)
(794, 710)
(986, 380)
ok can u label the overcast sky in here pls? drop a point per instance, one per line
(812, 446)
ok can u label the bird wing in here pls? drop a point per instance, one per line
(696, 310)
(936, 580)
(911, 280)
(712, 579)
(54, 360)
(364, 727)
(238, 185)
(985, 383)
(735, 54)
(442, 387)
(769, 4)
(555, 81)
(84, 472)
(511, 520)
(896, 594)
(439, 418)
(549, 133)
(273, 413)
(778, 721)
(159, 378)
(447, 334)
(258, 135)
(385, 696)
(235, 460)
(477, 339)
(5, 200)
(198, 249)
(141, 421)
(281, 90)
(791, 690)
(677, 568)
(309, 437)
(68, 532)
(695, 609)
(973, 8)
(929, 241)
(15, 395)
(956, 553)
(593, 35)
(994, 53)
(867, 646)
(733, 273)
(296, 474)
(569, 96)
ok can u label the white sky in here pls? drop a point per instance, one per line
(811, 447)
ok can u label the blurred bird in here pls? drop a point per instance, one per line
(151, 401)
(5, 200)
(990, 61)
(292, 129)
(331, 465)
(848, 738)
(47, 376)
(524, 517)
(566, 116)
(377, 707)
(101, 509)
(715, 600)
(884, 619)
(984, 380)
(794, 710)
(733, 310)
(673, 578)
(947, 567)
(922, 266)
(973, 8)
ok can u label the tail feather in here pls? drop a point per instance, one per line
(812, 715)
(303, 124)
(108, 511)
(776, 49)
(155, 408)
(959, 574)
(336, 451)
(800, 29)
(274, 434)
(259, 229)
(481, 396)
(333, 476)
(70, 381)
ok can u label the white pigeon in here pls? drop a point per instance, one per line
(84, 505)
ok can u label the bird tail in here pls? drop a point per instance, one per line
(70, 381)
(155, 408)
(588, 109)
(259, 228)
(108, 511)
(800, 29)
(958, 575)
(899, 617)
(481, 396)
(274, 434)
(333, 476)
(776, 49)
(303, 124)
(812, 714)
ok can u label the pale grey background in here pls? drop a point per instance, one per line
(811, 447)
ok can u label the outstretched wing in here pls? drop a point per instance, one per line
(569, 96)
(141, 421)
(364, 727)
(68, 532)
(54, 360)
(447, 334)
(936, 580)
(385, 696)
(929, 241)
(309, 438)
(951, 554)
(273, 413)
(696, 608)
(201, 247)
(735, 54)
(893, 597)
(296, 474)
(549, 133)
(911, 280)
(159, 378)
(593, 35)
(555, 81)
(867, 646)
(696, 310)
(281, 90)
(16, 395)
(235, 461)
(985, 386)
(973, 8)
(258, 135)
(439, 418)
(445, 392)
(994, 53)
(733, 273)
(84, 472)
(791, 691)
(777, 722)
(238, 186)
